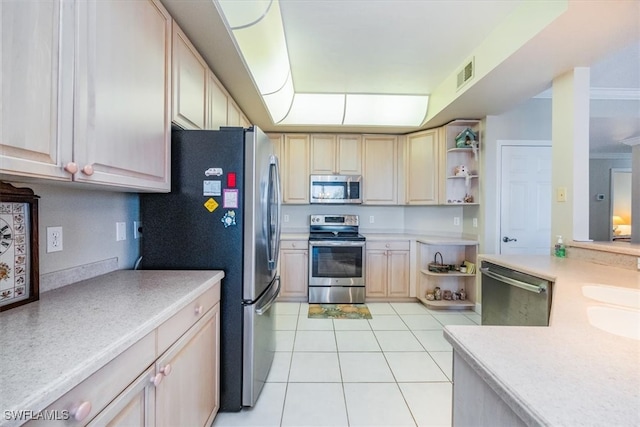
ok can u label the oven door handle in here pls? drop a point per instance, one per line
(513, 282)
(334, 243)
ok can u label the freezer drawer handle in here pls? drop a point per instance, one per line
(261, 310)
(513, 282)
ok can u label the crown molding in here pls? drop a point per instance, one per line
(602, 93)
(610, 156)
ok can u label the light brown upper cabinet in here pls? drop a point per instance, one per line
(190, 74)
(380, 169)
(423, 161)
(295, 168)
(216, 103)
(105, 122)
(336, 154)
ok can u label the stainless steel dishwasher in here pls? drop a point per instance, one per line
(513, 298)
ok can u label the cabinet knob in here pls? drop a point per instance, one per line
(81, 411)
(387, 245)
(157, 379)
(293, 245)
(71, 167)
(198, 310)
(88, 170)
(166, 370)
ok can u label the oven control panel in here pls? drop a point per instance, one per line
(334, 220)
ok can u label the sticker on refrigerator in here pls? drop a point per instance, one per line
(211, 188)
(229, 219)
(211, 205)
(213, 172)
(230, 199)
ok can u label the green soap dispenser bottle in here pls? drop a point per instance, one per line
(560, 249)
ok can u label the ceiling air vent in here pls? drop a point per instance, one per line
(465, 74)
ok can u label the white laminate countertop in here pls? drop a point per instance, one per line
(570, 373)
(51, 345)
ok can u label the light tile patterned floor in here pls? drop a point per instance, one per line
(392, 370)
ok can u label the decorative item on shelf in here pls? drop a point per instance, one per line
(471, 267)
(463, 268)
(447, 295)
(19, 271)
(454, 201)
(455, 296)
(466, 138)
(463, 295)
(437, 293)
(468, 198)
(430, 296)
(438, 267)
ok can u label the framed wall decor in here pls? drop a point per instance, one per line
(19, 271)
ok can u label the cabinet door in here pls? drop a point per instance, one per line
(294, 274)
(398, 273)
(121, 119)
(233, 113)
(377, 273)
(422, 171)
(276, 140)
(323, 154)
(29, 114)
(189, 392)
(216, 103)
(189, 83)
(349, 152)
(380, 168)
(295, 171)
(134, 407)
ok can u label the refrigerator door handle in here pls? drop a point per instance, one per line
(273, 248)
(263, 307)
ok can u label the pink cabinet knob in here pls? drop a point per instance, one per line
(198, 310)
(88, 170)
(156, 379)
(81, 411)
(166, 370)
(71, 167)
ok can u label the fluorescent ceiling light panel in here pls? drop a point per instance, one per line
(279, 103)
(257, 28)
(261, 43)
(385, 110)
(315, 109)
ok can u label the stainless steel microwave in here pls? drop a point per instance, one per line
(338, 189)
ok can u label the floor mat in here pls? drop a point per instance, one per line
(339, 311)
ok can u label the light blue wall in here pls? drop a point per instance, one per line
(88, 219)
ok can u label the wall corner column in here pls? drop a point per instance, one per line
(570, 155)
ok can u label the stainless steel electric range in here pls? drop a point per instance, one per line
(336, 261)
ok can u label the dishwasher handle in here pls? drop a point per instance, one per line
(513, 282)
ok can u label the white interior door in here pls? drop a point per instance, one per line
(525, 200)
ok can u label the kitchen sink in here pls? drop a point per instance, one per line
(615, 295)
(621, 315)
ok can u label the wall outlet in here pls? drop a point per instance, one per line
(286, 218)
(475, 222)
(121, 231)
(137, 229)
(561, 194)
(54, 239)
(372, 219)
(456, 220)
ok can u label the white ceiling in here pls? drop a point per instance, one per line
(415, 46)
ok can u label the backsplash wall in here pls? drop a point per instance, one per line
(88, 220)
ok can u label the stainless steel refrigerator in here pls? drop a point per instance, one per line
(223, 213)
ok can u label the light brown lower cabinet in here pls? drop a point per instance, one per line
(294, 270)
(387, 269)
(168, 378)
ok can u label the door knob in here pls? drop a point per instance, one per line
(506, 239)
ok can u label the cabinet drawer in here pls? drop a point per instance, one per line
(294, 244)
(173, 328)
(394, 245)
(97, 391)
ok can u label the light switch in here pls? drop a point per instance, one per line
(561, 194)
